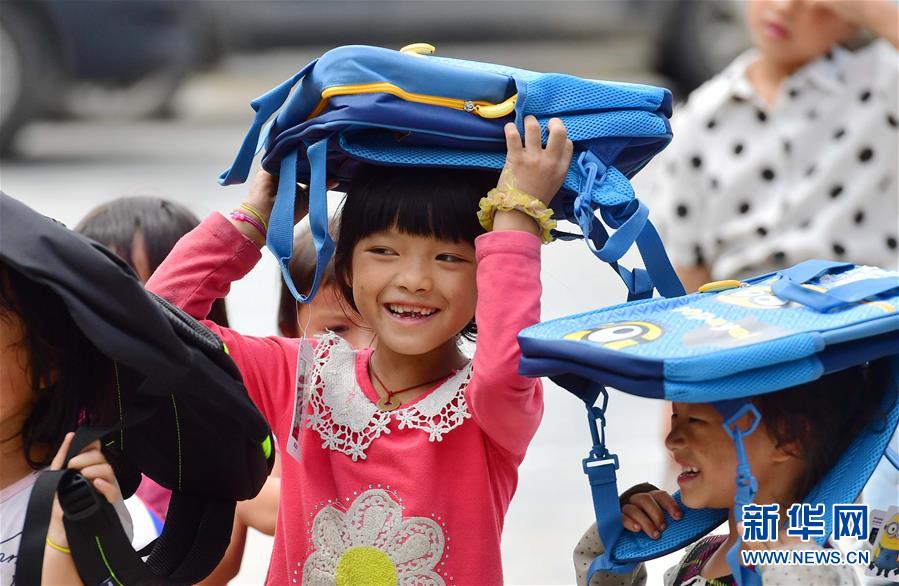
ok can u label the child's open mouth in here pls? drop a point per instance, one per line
(410, 313)
(687, 474)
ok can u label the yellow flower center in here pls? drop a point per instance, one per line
(365, 565)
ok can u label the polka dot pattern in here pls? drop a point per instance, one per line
(812, 175)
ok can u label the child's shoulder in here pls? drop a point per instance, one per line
(873, 67)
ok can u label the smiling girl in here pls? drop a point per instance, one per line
(409, 451)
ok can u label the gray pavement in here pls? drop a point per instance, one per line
(71, 167)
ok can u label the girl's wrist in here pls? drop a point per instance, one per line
(508, 208)
(56, 535)
(250, 227)
(515, 220)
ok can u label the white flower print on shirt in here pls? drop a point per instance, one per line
(371, 543)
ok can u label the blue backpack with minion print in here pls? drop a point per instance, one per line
(729, 342)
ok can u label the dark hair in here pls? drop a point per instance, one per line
(419, 201)
(823, 417)
(161, 223)
(302, 272)
(70, 379)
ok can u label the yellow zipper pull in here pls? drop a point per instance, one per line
(496, 110)
(419, 49)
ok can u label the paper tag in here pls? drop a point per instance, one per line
(305, 357)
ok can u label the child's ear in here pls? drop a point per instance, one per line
(786, 451)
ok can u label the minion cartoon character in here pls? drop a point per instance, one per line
(886, 554)
(618, 335)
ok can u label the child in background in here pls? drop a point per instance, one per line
(327, 311)
(143, 230)
(803, 432)
(790, 153)
(408, 457)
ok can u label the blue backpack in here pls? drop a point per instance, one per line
(359, 104)
(723, 345)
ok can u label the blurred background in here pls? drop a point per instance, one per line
(105, 98)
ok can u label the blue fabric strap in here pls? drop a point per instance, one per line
(812, 269)
(836, 298)
(638, 282)
(631, 223)
(280, 231)
(746, 484)
(600, 467)
(658, 265)
(265, 105)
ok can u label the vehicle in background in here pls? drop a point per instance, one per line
(690, 40)
(127, 58)
(130, 55)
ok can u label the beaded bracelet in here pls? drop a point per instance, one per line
(242, 217)
(506, 199)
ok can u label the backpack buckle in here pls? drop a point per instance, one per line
(78, 498)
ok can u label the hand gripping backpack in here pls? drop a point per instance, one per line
(359, 104)
(722, 346)
(185, 419)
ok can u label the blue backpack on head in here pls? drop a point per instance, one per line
(367, 105)
(729, 342)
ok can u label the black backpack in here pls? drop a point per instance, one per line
(186, 420)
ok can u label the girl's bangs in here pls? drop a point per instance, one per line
(435, 203)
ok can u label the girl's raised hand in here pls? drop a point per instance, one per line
(532, 168)
(644, 511)
(92, 464)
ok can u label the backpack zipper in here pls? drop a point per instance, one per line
(480, 108)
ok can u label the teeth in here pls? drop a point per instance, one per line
(689, 470)
(423, 311)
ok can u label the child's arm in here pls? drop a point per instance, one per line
(507, 406)
(879, 16)
(59, 567)
(587, 549)
(201, 268)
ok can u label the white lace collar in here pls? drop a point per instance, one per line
(347, 420)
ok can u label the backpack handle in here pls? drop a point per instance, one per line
(265, 106)
(632, 226)
(789, 286)
(281, 223)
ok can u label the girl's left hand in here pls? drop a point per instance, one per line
(531, 168)
(92, 464)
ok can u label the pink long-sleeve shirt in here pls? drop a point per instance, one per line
(418, 494)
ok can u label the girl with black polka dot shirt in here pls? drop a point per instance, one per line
(791, 152)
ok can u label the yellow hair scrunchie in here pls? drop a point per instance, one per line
(507, 199)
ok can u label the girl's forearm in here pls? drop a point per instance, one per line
(59, 567)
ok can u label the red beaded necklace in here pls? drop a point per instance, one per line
(387, 403)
